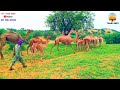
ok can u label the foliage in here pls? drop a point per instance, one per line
(2, 31)
(11, 46)
(108, 31)
(21, 32)
(38, 33)
(113, 38)
(82, 36)
(51, 34)
(72, 36)
(66, 20)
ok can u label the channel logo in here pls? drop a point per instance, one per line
(7, 17)
(112, 18)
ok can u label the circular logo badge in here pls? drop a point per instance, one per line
(112, 17)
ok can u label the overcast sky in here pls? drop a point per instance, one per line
(101, 19)
(36, 20)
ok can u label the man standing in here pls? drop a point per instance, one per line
(17, 55)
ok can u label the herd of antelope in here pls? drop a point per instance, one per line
(37, 44)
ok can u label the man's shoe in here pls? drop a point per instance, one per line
(24, 66)
(11, 69)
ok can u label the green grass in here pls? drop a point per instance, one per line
(2, 77)
(55, 53)
(98, 63)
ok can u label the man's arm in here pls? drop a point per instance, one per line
(14, 51)
(21, 51)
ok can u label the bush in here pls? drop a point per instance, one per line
(2, 31)
(23, 46)
(29, 37)
(12, 45)
(37, 33)
(113, 38)
(73, 36)
(21, 32)
(82, 36)
(50, 33)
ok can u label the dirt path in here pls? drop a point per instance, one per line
(40, 62)
(4, 68)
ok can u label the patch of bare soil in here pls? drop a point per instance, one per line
(111, 67)
(104, 61)
(75, 70)
(112, 77)
(55, 75)
(4, 69)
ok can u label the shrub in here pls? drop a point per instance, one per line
(29, 37)
(113, 38)
(82, 36)
(12, 45)
(50, 33)
(73, 36)
(37, 33)
(2, 31)
(21, 32)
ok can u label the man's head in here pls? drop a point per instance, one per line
(20, 42)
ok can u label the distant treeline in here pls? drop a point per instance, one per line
(110, 38)
(35, 33)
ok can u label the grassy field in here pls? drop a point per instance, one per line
(99, 63)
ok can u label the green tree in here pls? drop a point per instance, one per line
(65, 20)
